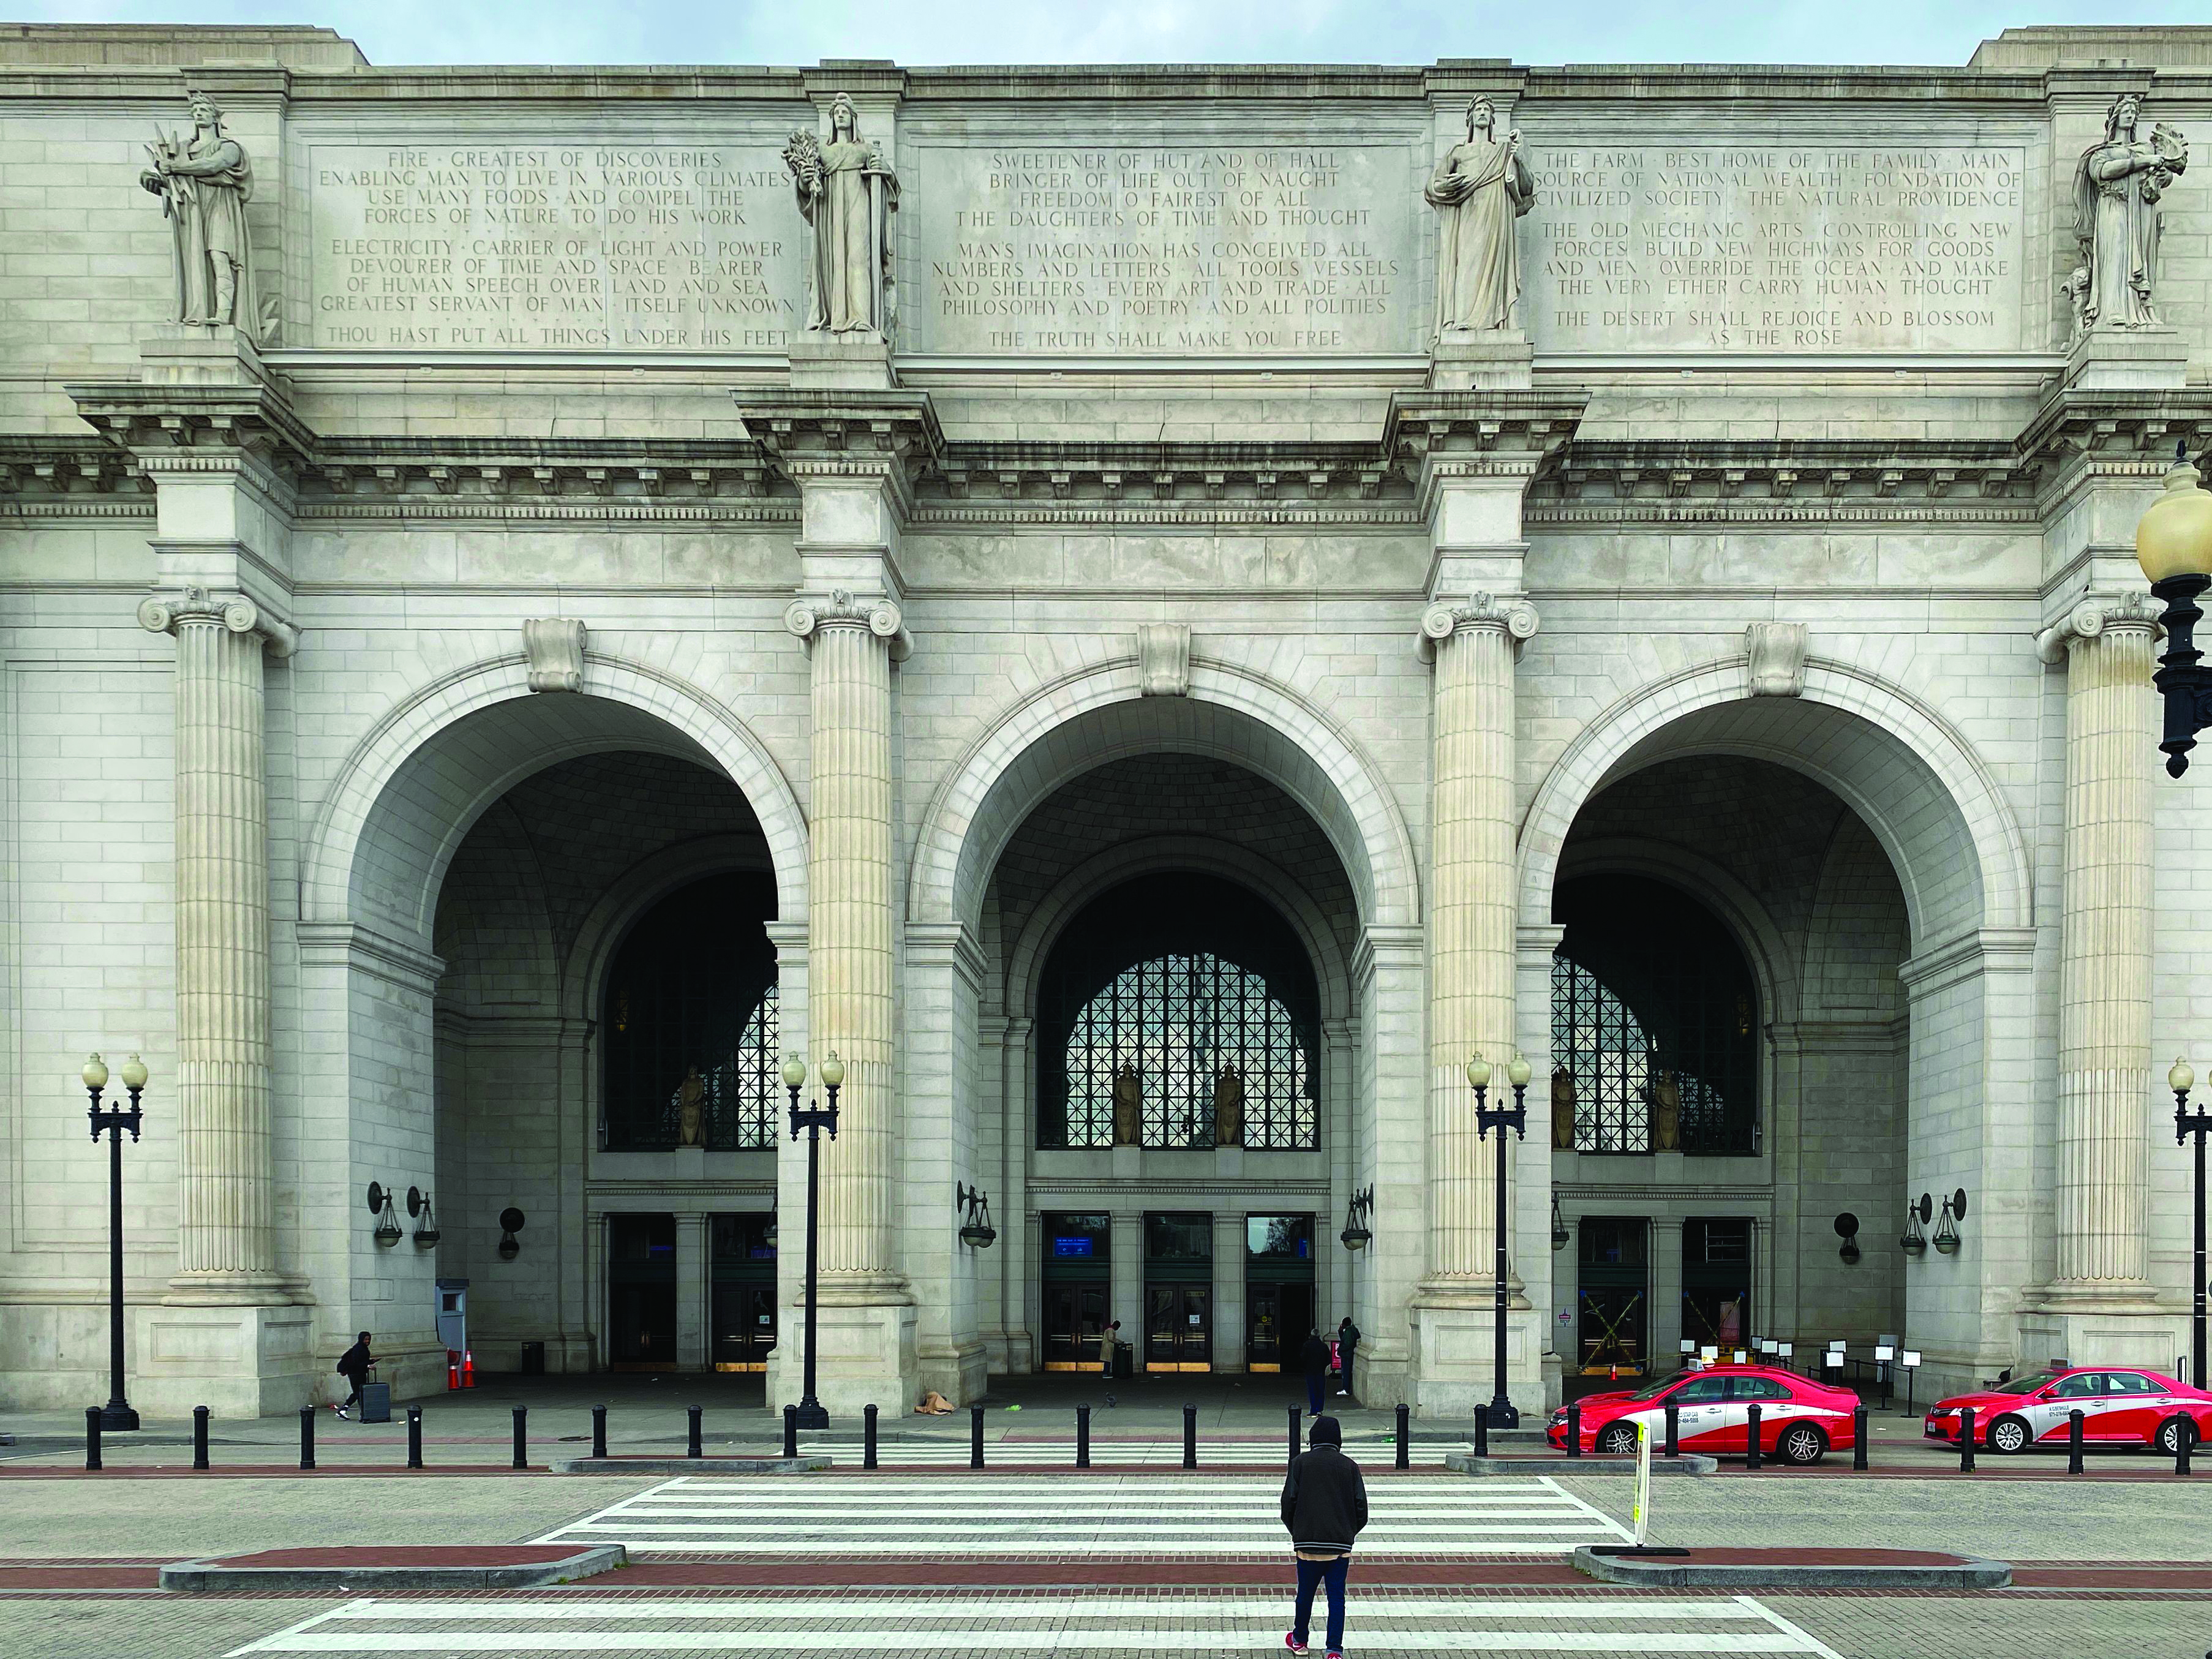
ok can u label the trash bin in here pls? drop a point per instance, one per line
(533, 1359)
(1125, 1360)
(375, 1402)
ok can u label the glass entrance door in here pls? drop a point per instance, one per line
(1278, 1318)
(1614, 1296)
(642, 1292)
(1178, 1328)
(1074, 1321)
(741, 1309)
(1717, 1265)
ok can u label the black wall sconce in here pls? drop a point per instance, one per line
(510, 1223)
(387, 1224)
(1946, 1230)
(1847, 1229)
(426, 1227)
(1912, 1241)
(1356, 1213)
(976, 1230)
(1559, 1233)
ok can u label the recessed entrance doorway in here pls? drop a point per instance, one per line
(1278, 1290)
(642, 1292)
(1078, 1291)
(743, 1268)
(1178, 1292)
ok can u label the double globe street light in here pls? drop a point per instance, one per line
(117, 1412)
(1501, 1118)
(812, 1414)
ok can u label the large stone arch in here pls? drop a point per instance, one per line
(1954, 844)
(1095, 715)
(413, 786)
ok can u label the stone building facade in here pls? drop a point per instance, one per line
(1146, 684)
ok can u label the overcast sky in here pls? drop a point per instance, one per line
(792, 32)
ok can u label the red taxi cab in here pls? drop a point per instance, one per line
(1800, 1420)
(2119, 1407)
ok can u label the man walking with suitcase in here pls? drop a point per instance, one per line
(1324, 1507)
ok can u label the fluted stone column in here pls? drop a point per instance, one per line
(2106, 944)
(849, 877)
(1471, 918)
(226, 1243)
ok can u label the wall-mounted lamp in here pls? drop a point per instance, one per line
(1847, 1229)
(426, 1228)
(1947, 1231)
(975, 1230)
(1355, 1214)
(1913, 1241)
(768, 1237)
(1559, 1233)
(387, 1224)
(510, 1223)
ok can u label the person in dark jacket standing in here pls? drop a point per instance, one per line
(1347, 1339)
(353, 1366)
(1313, 1359)
(1324, 1508)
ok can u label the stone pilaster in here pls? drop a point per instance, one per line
(226, 1245)
(2106, 944)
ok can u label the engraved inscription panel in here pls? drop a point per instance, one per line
(1149, 249)
(1784, 247)
(541, 246)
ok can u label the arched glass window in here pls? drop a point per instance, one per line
(1191, 1000)
(1653, 1019)
(688, 1014)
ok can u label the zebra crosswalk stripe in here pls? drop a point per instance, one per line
(1072, 1514)
(1071, 1625)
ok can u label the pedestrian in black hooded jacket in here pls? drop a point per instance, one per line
(1324, 1508)
(1313, 1359)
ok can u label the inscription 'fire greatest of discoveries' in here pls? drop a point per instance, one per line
(1755, 248)
(606, 247)
(1164, 250)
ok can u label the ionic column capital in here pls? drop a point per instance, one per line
(2096, 615)
(164, 613)
(1515, 618)
(811, 613)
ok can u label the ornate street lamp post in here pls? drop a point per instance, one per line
(2181, 1079)
(117, 1412)
(2173, 544)
(1515, 1118)
(813, 1119)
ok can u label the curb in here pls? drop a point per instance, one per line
(1468, 1463)
(218, 1574)
(690, 1465)
(1686, 1572)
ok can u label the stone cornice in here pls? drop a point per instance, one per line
(166, 422)
(1157, 479)
(2082, 438)
(1785, 478)
(890, 435)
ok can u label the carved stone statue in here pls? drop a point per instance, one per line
(1129, 1107)
(1229, 1108)
(1563, 1110)
(1480, 188)
(847, 193)
(691, 1109)
(1667, 1114)
(204, 183)
(2117, 189)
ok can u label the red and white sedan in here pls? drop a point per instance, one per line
(2125, 1407)
(1801, 1420)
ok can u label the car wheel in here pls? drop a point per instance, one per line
(2009, 1435)
(1617, 1440)
(1801, 1444)
(2169, 1436)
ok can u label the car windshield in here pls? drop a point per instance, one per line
(1653, 1390)
(2028, 1384)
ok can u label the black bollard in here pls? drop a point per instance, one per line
(691, 1445)
(598, 1431)
(791, 1430)
(1404, 1437)
(1859, 1436)
(1294, 1434)
(521, 1437)
(1751, 1439)
(2185, 1438)
(868, 1437)
(199, 1437)
(1674, 1415)
(1190, 1437)
(1083, 1437)
(414, 1436)
(975, 1436)
(2074, 1441)
(1966, 1441)
(92, 1436)
(1482, 1430)
(1575, 1429)
(306, 1436)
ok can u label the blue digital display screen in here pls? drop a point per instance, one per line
(1065, 1246)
